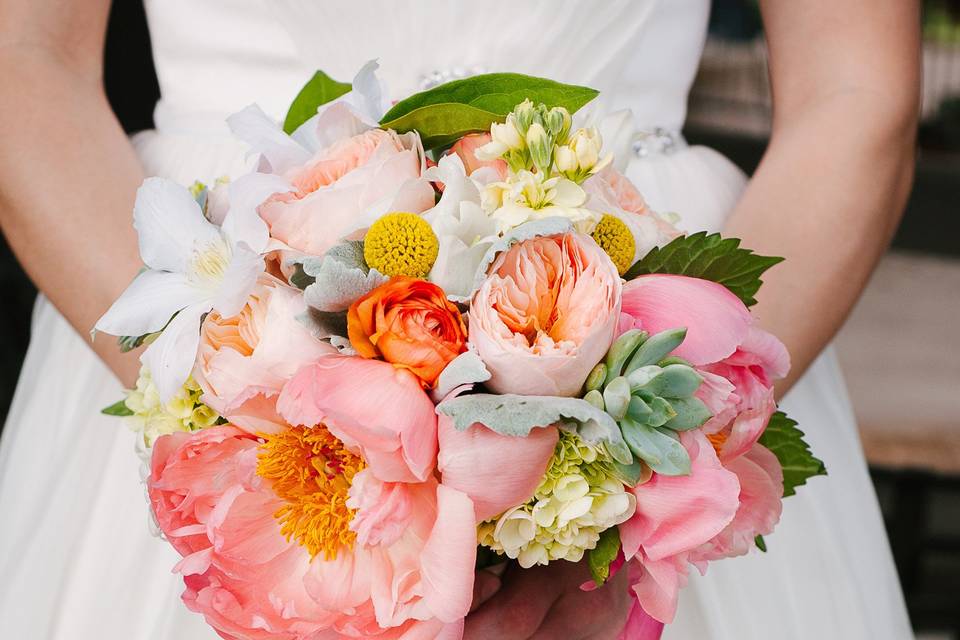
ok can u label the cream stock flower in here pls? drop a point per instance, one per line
(580, 157)
(530, 196)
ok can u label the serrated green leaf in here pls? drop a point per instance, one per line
(445, 113)
(601, 556)
(786, 442)
(118, 408)
(319, 90)
(709, 257)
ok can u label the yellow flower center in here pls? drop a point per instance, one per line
(614, 237)
(311, 471)
(401, 244)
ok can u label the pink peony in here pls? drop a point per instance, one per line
(545, 315)
(244, 361)
(369, 405)
(739, 362)
(345, 188)
(466, 147)
(298, 535)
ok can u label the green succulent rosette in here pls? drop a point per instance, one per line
(650, 395)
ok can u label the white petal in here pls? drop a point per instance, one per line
(264, 136)
(169, 224)
(337, 121)
(241, 275)
(352, 113)
(170, 358)
(148, 304)
(368, 94)
(569, 194)
(242, 222)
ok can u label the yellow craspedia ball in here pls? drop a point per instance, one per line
(614, 237)
(401, 244)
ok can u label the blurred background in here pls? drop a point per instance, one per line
(900, 348)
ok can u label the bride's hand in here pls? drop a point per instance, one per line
(546, 603)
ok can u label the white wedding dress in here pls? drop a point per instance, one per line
(77, 560)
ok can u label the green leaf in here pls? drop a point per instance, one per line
(319, 90)
(709, 257)
(515, 415)
(786, 442)
(447, 112)
(603, 555)
(118, 408)
(761, 543)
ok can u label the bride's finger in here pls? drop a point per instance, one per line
(485, 586)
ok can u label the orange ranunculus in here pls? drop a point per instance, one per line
(409, 323)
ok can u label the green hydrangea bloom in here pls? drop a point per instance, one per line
(578, 499)
(152, 418)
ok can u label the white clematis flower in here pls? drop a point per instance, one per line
(464, 231)
(193, 267)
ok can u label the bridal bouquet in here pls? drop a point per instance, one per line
(425, 338)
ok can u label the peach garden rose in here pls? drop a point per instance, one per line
(545, 315)
(345, 188)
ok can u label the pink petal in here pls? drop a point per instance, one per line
(370, 405)
(755, 406)
(678, 513)
(496, 471)
(717, 322)
(763, 349)
(719, 395)
(657, 585)
(449, 557)
(640, 625)
(761, 493)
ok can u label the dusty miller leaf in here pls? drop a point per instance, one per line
(515, 415)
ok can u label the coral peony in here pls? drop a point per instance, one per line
(294, 536)
(410, 324)
(397, 432)
(545, 315)
(243, 361)
(345, 188)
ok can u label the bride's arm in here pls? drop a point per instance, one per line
(67, 171)
(831, 188)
